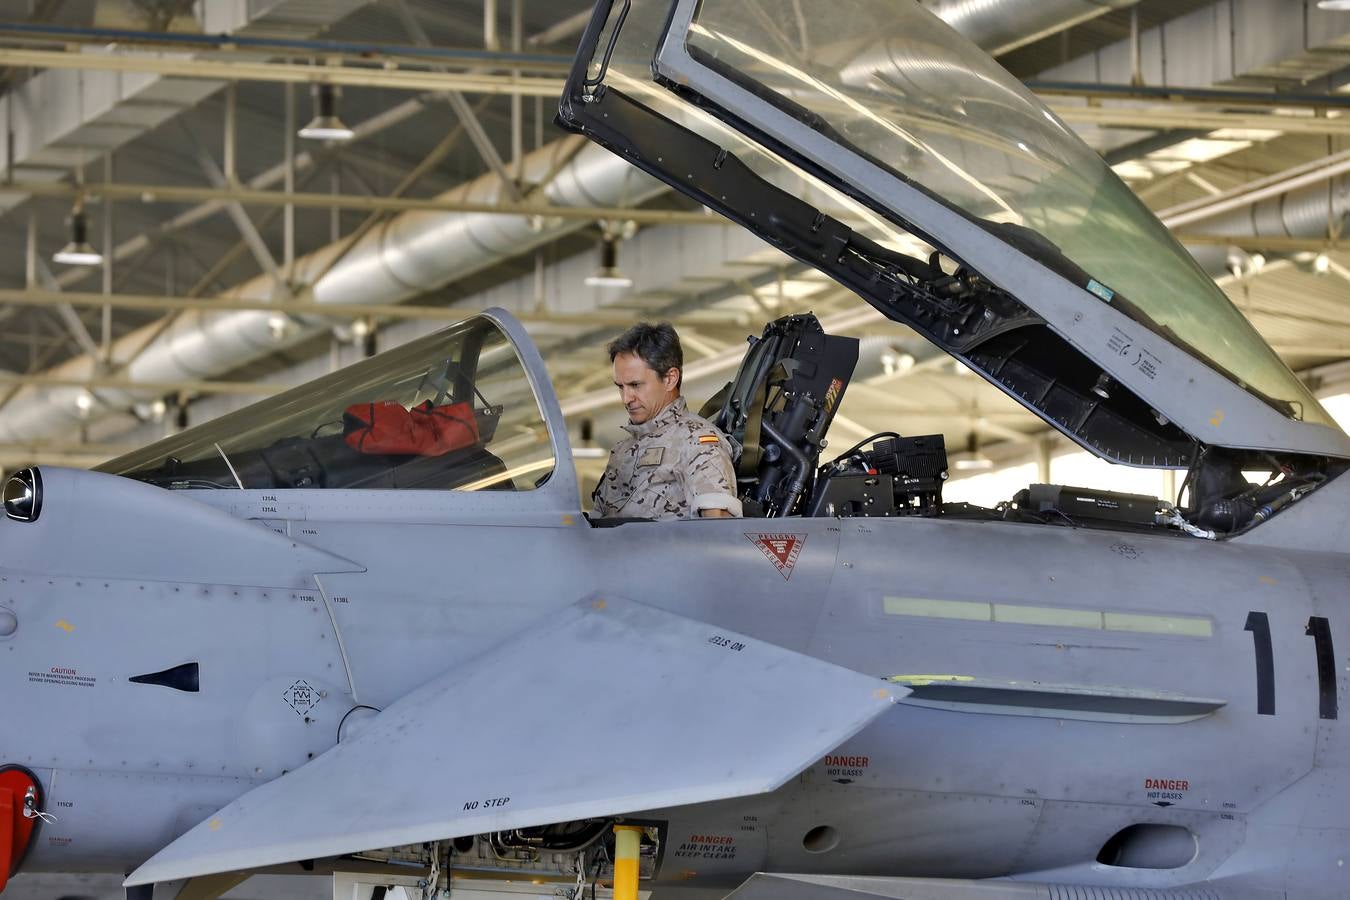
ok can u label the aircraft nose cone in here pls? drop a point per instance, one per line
(9, 623)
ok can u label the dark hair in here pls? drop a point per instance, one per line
(658, 346)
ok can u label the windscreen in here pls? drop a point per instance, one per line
(893, 83)
(629, 68)
(453, 410)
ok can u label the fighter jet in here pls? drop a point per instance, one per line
(364, 627)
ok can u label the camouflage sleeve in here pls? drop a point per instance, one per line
(600, 507)
(710, 477)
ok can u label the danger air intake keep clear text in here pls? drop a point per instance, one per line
(707, 846)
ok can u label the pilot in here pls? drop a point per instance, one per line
(674, 464)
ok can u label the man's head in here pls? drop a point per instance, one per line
(647, 369)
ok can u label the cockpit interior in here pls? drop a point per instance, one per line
(456, 410)
(451, 411)
(779, 407)
(1043, 274)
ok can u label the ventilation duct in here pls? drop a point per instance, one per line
(1308, 212)
(1314, 211)
(409, 255)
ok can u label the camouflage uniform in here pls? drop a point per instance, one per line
(675, 464)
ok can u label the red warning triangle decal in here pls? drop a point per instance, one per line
(780, 549)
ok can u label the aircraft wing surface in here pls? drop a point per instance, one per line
(605, 707)
(773, 886)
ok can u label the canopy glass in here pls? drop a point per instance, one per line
(896, 85)
(452, 410)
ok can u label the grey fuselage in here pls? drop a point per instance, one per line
(328, 613)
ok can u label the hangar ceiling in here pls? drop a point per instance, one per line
(172, 125)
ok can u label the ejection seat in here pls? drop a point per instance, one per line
(777, 409)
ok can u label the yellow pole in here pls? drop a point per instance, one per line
(627, 838)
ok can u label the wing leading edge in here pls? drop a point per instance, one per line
(605, 707)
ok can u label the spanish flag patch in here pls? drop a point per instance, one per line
(708, 439)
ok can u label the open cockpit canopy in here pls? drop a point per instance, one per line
(454, 410)
(867, 138)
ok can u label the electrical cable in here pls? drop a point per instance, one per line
(863, 443)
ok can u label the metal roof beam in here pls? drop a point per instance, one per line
(38, 272)
(1221, 97)
(406, 183)
(338, 311)
(166, 193)
(95, 382)
(563, 30)
(310, 160)
(59, 120)
(1154, 119)
(1274, 243)
(247, 230)
(238, 45)
(222, 304)
(1245, 195)
(294, 73)
(468, 119)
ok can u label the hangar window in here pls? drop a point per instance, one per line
(452, 411)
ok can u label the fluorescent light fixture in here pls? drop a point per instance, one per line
(894, 362)
(326, 128)
(78, 252)
(974, 459)
(1253, 135)
(1184, 154)
(326, 125)
(1335, 5)
(608, 275)
(1132, 170)
(278, 325)
(1198, 150)
(602, 279)
(74, 254)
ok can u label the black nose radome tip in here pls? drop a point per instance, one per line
(23, 495)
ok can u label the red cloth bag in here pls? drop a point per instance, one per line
(424, 430)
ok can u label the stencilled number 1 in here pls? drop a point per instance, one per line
(1258, 623)
(1319, 629)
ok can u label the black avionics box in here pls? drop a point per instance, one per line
(1085, 503)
